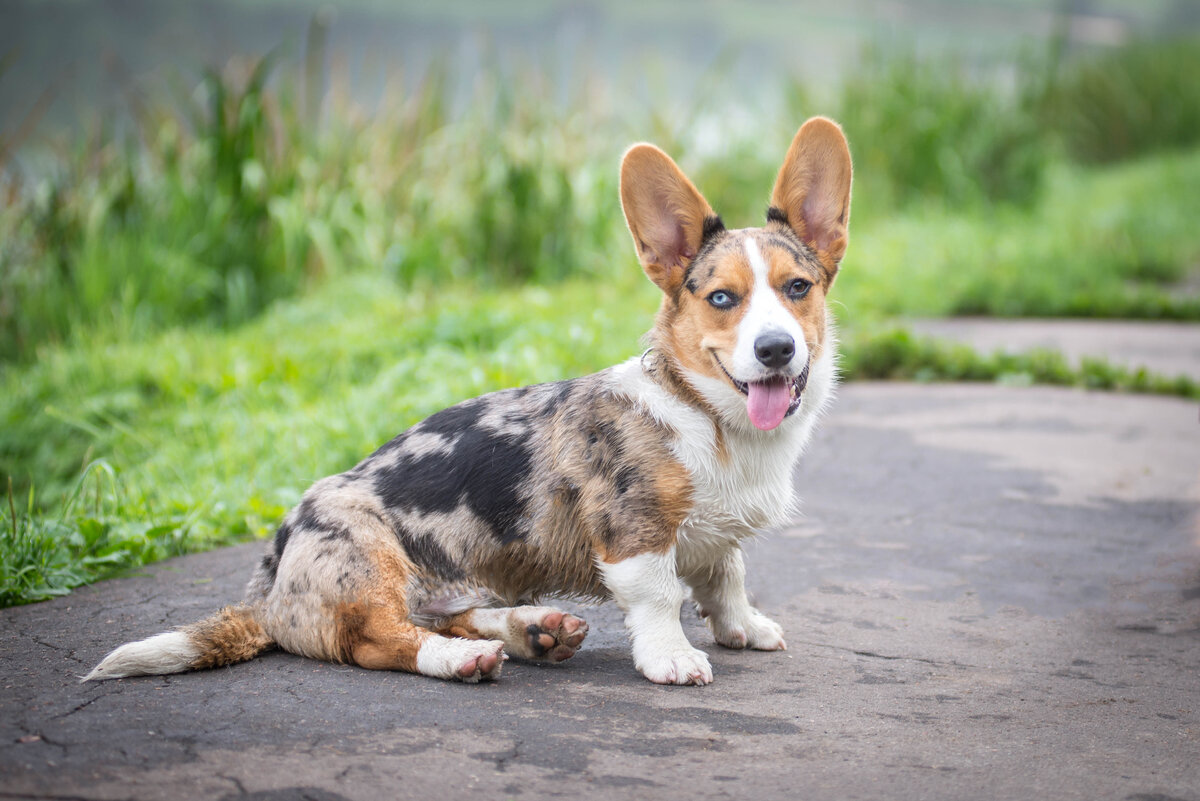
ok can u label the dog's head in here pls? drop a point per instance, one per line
(744, 310)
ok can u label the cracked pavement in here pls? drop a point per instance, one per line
(991, 593)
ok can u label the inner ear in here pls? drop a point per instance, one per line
(813, 188)
(667, 216)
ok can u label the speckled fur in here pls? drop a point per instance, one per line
(617, 485)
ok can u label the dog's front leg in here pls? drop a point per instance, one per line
(647, 589)
(720, 592)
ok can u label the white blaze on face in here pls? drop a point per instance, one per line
(766, 313)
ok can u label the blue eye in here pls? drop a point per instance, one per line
(722, 299)
(798, 288)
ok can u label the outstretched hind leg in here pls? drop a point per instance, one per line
(530, 632)
(383, 638)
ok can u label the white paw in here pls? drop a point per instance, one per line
(459, 659)
(681, 666)
(756, 631)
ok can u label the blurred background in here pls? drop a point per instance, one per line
(244, 243)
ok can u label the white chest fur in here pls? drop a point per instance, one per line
(744, 487)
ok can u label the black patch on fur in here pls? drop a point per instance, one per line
(427, 554)
(306, 515)
(270, 562)
(501, 466)
(712, 234)
(485, 471)
(713, 225)
(794, 247)
(335, 533)
(567, 493)
(308, 519)
(698, 270)
(610, 531)
(604, 448)
(270, 566)
(281, 539)
(449, 422)
(625, 478)
(776, 214)
(562, 390)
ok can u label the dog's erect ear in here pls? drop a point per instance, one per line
(665, 213)
(813, 189)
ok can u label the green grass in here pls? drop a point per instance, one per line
(895, 354)
(199, 321)
(1099, 243)
(92, 536)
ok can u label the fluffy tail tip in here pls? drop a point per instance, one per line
(172, 652)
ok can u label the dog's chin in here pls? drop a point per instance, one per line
(767, 405)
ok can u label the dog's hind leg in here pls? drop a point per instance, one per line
(383, 638)
(530, 632)
(374, 631)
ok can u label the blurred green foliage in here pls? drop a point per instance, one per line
(925, 131)
(226, 198)
(1125, 102)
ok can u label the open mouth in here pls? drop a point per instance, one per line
(772, 399)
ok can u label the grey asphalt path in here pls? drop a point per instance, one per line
(992, 593)
(1170, 349)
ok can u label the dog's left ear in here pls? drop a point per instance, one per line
(813, 189)
(665, 213)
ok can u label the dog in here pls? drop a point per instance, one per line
(432, 555)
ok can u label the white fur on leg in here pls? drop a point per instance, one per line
(647, 588)
(441, 657)
(721, 595)
(171, 652)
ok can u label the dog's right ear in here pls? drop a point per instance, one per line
(665, 213)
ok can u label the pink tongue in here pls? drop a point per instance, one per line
(768, 402)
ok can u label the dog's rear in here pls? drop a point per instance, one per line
(615, 485)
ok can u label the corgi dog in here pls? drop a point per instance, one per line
(435, 553)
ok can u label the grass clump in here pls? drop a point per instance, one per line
(227, 198)
(43, 555)
(895, 354)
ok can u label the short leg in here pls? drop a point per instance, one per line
(647, 588)
(382, 638)
(530, 632)
(721, 595)
(465, 660)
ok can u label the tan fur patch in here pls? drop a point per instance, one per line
(231, 635)
(808, 312)
(375, 632)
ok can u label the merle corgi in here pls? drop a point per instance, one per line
(434, 554)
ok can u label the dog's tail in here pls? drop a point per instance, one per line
(232, 635)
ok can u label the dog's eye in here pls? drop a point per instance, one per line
(798, 288)
(722, 299)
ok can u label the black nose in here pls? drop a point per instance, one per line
(774, 349)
